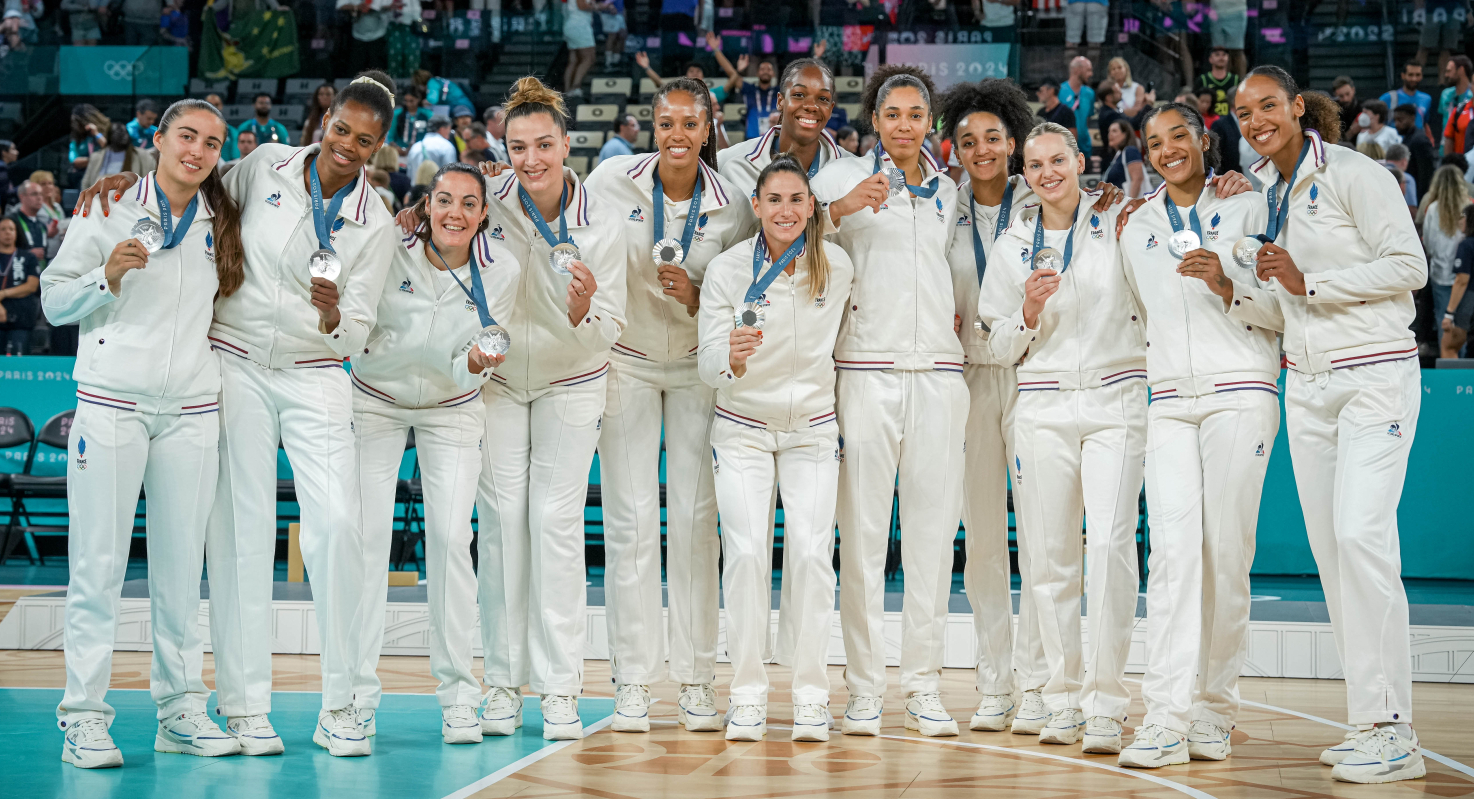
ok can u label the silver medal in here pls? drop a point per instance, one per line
(897, 179)
(562, 256)
(1049, 258)
(979, 325)
(752, 315)
(325, 264)
(668, 251)
(1183, 242)
(494, 340)
(149, 233)
(1246, 252)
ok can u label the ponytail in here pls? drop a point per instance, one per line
(816, 261)
(1322, 115)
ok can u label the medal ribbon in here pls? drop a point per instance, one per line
(759, 253)
(323, 221)
(773, 153)
(477, 292)
(924, 192)
(1176, 218)
(693, 213)
(537, 217)
(173, 235)
(978, 255)
(1069, 239)
(1278, 214)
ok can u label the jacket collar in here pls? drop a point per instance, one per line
(761, 149)
(1269, 174)
(146, 194)
(643, 176)
(355, 206)
(1206, 193)
(578, 203)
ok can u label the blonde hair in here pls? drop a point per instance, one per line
(42, 176)
(1124, 65)
(425, 172)
(1046, 128)
(1371, 150)
(1451, 193)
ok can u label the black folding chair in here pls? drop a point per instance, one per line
(16, 430)
(26, 485)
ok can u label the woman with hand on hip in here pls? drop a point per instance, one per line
(435, 343)
(680, 215)
(142, 287)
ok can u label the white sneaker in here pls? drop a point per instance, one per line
(747, 722)
(88, 745)
(994, 713)
(1207, 741)
(1153, 747)
(560, 718)
(1382, 755)
(459, 725)
(632, 708)
(501, 711)
(366, 721)
(1102, 736)
(338, 732)
(697, 708)
(1332, 756)
(1064, 727)
(194, 734)
(862, 716)
(926, 715)
(811, 723)
(255, 734)
(1032, 715)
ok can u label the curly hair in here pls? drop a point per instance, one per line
(1001, 98)
(1322, 114)
(702, 95)
(904, 75)
(529, 96)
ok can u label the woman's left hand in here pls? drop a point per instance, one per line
(478, 361)
(581, 290)
(1110, 194)
(674, 282)
(1230, 183)
(325, 300)
(1275, 262)
(1126, 214)
(1204, 265)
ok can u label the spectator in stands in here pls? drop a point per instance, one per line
(615, 30)
(496, 129)
(761, 98)
(1459, 90)
(1371, 150)
(848, 139)
(368, 24)
(120, 156)
(1420, 149)
(1457, 313)
(1408, 92)
(18, 27)
(1227, 22)
(229, 152)
(1455, 133)
(1053, 110)
(141, 21)
(174, 29)
(141, 127)
(461, 118)
(623, 140)
(379, 179)
(1397, 157)
(1442, 214)
(322, 99)
(1088, 17)
(246, 142)
(20, 284)
(86, 17)
(8, 154)
(1125, 169)
(1343, 89)
(1133, 96)
(51, 210)
(410, 121)
(677, 17)
(1108, 95)
(1373, 123)
(88, 136)
(695, 71)
(33, 228)
(1077, 94)
(267, 130)
(436, 147)
(867, 142)
(578, 34)
(402, 41)
(1442, 25)
(440, 91)
(1206, 103)
(387, 159)
(474, 137)
(1218, 78)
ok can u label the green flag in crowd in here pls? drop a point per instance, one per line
(242, 40)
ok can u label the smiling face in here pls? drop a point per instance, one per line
(765, 72)
(350, 137)
(1412, 75)
(681, 127)
(537, 148)
(783, 205)
(807, 104)
(1052, 168)
(902, 119)
(1267, 118)
(190, 147)
(1174, 148)
(983, 146)
(457, 209)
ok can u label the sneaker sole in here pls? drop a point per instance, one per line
(697, 723)
(168, 747)
(259, 748)
(114, 760)
(990, 723)
(630, 723)
(461, 736)
(1027, 727)
(1061, 737)
(344, 748)
(1417, 772)
(1329, 758)
(746, 733)
(814, 733)
(562, 732)
(1095, 745)
(850, 726)
(1199, 754)
(507, 726)
(931, 729)
(1128, 760)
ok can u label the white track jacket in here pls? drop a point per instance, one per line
(741, 163)
(960, 258)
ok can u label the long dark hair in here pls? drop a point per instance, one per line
(1211, 157)
(698, 90)
(816, 260)
(1322, 115)
(422, 206)
(315, 112)
(230, 254)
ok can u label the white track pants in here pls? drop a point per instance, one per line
(992, 392)
(912, 423)
(805, 466)
(537, 451)
(1350, 432)
(311, 413)
(111, 454)
(1082, 450)
(642, 396)
(448, 449)
(1205, 462)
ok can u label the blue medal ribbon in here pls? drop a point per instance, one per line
(1279, 213)
(537, 217)
(323, 220)
(761, 280)
(773, 153)
(1069, 239)
(979, 256)
(477, 292)
(693, 213)
(925, 192)
(1176, 218)
(174, 235)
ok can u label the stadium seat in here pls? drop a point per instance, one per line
(610, 90)
(736, 135)
(28, 485)
(250, 87)
(642, 140)
(849, 88)
(595, 116)
(644, 115)
(585, 142)
(734, 112)
(16, 430)
(579, 164)
(300, 89)
(647, 89)
(290, 115)
(199, 87)
(341, 83)
(852, 109)
(236, 114)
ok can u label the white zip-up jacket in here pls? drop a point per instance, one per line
(271, 320)
(1349, 231)
(1193, 347)
(658, 328)
(145, 348)
(965, 283)
(416, 355)
(900, 310)
(789, 382)
(546, 349)
(741, 163)
(1090, 332)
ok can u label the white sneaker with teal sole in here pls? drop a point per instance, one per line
(255, 735)
(88, 745)
(1382, 755)
(811, 723)
(631, 708)
(501, 711)
(1208, 741)
(1031, 716)
(697, 708)
(1064, 727)
(747, 722)
(194, 734)
(560, 718)
(459, 725)
(926, 714)
(1153, 747)
(338, 732)
(862, 716)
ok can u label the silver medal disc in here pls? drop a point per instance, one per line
(1182, 243)
(561, 256)
(979, 325)
(897, 179)
(149, 233)
(1246, 252)
(1049, 258)
(494, 340)
(751, 315)
(668, 251)
(324, 264)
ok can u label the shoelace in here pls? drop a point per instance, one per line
(1153, 734)
(558, 705)
(698, 696)
(1033, 702)
(201, 722)
(808, 715)
(1374, 742)
(748, 715)
(254, 723)
(999, 701)
(1100, 724)
(89, 730)
(632, 696)
(1208, 730)
(867, 703)
(930, 702)
(501, 699)
(343, 717)
(1063, 714)
(463, 715)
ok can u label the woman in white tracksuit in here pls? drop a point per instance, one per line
(1079, 430)
(281, 342)
(902, 402)
(671, 196)
(768, 329)
(422, 370)
(146, 416)
(1210, 431)
(1344, 260)
(543, 410)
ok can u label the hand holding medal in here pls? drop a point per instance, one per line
(581, 290)
(742, 342)
(669, 253)
(1275, 263)
(129, 254)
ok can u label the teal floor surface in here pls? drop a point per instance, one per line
(409, 760)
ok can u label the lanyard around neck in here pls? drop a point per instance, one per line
(537, 218)
(924, 192)
(693, 213)
(773, 151)
(322, 220)
(173, 235)
(1176, 219)
(761, 280)
(1069, 237)
(477, 292)
(1279, 213)
(980, 257)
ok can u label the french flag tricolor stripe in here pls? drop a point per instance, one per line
(106, 402)
(742, 420)
(822, 419)
(583, 378)
(370, 390)
(226, 345)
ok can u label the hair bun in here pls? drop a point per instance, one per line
(531, 91)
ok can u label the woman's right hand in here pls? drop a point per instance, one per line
(741, 344)
(408, 220)
(110, 187)
(127, 255)
(1041, 285)
(494, 169)
(872, 192)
